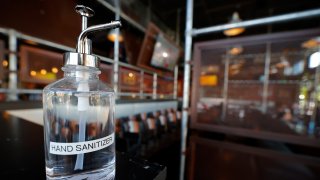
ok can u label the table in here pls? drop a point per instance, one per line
(22, 154)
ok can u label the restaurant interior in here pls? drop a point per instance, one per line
(204, 89)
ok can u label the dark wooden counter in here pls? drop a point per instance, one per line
(22, 154)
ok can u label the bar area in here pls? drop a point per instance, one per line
(161, 90)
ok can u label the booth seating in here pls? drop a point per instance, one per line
(147, 132)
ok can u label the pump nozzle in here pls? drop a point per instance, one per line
(81, 46)
(83, 55)
(85, 12)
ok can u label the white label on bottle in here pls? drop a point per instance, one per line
(81, 147)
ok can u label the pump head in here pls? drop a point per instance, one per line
(84, 56)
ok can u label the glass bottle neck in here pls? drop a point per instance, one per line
(81, 72)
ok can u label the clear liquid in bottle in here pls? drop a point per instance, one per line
(79, 128)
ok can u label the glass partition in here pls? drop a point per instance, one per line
(266, 83)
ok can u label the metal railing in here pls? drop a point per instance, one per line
(190, 32)
(13, 89)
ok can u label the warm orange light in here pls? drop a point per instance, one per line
(5, 63)
(236, 50)
(233, 31)
(54, 70)
(209, 80)
(235, 66)
(43, 71)
(312, 43)
(129, 78)
(112, 36)
(234, 72)
(33, 73)
(31, 42)
(211, 69)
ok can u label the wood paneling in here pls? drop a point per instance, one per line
(35, 59)
(55, 20)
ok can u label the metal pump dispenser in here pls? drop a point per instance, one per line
(79, 114)
(84, 56)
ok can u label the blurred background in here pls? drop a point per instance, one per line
(249, 110)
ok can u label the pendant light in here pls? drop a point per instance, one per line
(234, 31)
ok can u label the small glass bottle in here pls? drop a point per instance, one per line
(78, 116)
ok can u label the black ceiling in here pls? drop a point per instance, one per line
(216, 12)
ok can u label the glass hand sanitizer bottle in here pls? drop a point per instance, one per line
(78, 115)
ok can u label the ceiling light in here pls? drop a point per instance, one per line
(5, 63)
(165, 54)
(112, 36)
(43, 72)
(234, 31)
(54, 70)
(33, 73)
(236, 50)
(130, 75)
